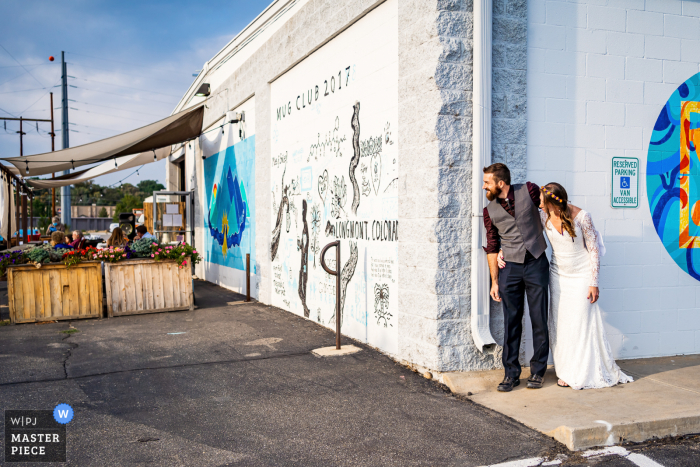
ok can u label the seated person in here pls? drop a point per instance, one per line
(142, 232)
(57, 241)
(78, 240)
(117, 239)
(67, 240)
(55, 226)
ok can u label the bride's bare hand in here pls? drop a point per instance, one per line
(593, 294)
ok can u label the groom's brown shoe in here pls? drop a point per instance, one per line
(508, 384)
(535, 382)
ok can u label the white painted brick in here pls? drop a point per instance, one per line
(658, 93)
(606, 18)
(537, 158)
(612, 300)
(642, 299)
(566, 159)
(623, 322)
(565, 62)
(682, 297)
(689, 319)
(605, 113)
(536, 11)
(625, 44)
(644, 22)
(547, 86)
(565, 111)
(682, 26)
(586, 40)
(661, 275)
(536, 60)
(676, 343)
(585, 136)
(624, 91)
(691, 8)
(690, 50)
(639, 345)
(553, 133)
(623, 138)
(667, 48)
(658, 320)
(643, 253)
(664, 6)
(536, 109)
(623, 231)
(581, 183)
(599, 160)
(546, 36)
(627, 4)
(605, 66)
(585, 88)
(643, 69)
(677, 72)
(567, 14)
(641, 115)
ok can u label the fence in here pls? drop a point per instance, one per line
(83, 223)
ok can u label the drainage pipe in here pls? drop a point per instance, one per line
(481, 157)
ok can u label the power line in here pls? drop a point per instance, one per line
(40, 98)
(121, 72)
(117, 61)
(8, 113)
(109, 115)
(117, 108)
(23, 90)
(120, 95)
(126, 87)
(25, 68)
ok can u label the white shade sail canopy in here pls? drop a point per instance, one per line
(108, 167)
(162, 134)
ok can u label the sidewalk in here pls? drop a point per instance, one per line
(663, 401)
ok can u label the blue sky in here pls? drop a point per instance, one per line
(131, 62)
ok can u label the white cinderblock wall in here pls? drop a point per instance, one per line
(599, 72)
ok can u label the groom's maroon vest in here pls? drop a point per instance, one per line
(521, 233)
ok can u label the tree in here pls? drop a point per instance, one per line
(147, 187)
(127, 204)
(102, 213)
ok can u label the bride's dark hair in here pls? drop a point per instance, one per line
(555, 197)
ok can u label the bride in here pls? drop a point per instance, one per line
(582, 355)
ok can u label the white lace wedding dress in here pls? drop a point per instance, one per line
(582, 355)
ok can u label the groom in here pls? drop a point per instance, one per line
(512, 223)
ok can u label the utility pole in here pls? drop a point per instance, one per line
(53, 148)
(65, 191)
(23, 196)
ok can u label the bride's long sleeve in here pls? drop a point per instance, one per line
(589, 234)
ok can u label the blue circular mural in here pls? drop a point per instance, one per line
(673, 176)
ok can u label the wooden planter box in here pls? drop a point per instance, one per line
(147, 286)
(54, 292)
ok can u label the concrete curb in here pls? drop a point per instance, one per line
(584, 437)
(589, 418)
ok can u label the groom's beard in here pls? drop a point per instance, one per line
(491, 195)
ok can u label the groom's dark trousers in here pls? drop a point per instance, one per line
(516, 281)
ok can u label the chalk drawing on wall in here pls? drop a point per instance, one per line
(337, 110)
(229, 178)
(673, 176)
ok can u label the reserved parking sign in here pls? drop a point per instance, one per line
(625, 174)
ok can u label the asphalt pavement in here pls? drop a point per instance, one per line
(238, 385)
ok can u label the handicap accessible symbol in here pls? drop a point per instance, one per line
(63, 413)
(624, 182)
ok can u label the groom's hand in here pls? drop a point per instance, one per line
(495, 292)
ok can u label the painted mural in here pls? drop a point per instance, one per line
(229, 179)
(334, 176)
(673, 176)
